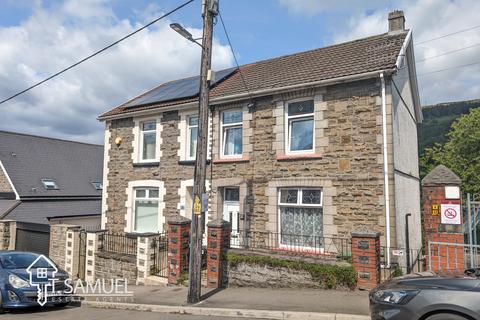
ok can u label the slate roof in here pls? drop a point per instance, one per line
(6, 205)
(369, 54)
(73, 165)
(38, 211)
(441, 175)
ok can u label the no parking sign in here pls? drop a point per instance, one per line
(451, 214)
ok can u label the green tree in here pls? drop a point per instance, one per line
(461, 152)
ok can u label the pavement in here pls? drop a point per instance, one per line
(89, 313)
(247, 303)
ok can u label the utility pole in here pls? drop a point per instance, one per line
(210, 9)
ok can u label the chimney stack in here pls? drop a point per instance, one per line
(396, 21)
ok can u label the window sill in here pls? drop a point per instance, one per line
(146, 164)
(302, 156)
(231, 160)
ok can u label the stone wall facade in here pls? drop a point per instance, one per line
(8, 230)
(5, 185)
(116, 266)
(347, 163)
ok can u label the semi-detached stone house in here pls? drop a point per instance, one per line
(328, 146)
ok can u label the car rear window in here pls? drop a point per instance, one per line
(22, 260)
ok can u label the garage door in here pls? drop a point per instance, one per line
(32, 237)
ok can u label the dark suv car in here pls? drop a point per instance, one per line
(426, 296)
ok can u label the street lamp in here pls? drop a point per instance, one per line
(184, 33)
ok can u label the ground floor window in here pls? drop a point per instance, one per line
(301, 217)
(146, 210)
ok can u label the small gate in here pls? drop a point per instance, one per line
(452, 257)
(160, 256)
(396, 262)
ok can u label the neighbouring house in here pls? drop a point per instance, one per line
(46, 181)
(313, 144)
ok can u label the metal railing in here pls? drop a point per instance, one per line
(118, 243)
(159, 246)
(340, 248)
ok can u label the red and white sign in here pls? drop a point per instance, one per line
(451, 214)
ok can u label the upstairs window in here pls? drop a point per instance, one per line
(300, 123)
(97, 185)
(146, 210)
(231, 123)
(192, 137)
(148, 142)
(49, 184)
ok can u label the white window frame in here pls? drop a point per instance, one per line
(288, 127)
(223, 133)
(142, 133)
(130, 202)
(134, 204)
(300, 205)
(187, 147)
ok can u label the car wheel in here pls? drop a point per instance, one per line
(446, 316)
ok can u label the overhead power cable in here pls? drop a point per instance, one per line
(234, 56)
(97, 52)
(447, 53)
(447, 35)
(449, 68)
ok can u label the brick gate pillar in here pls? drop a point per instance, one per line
(72, 251)
(178, 247)
(366, 258)
(92, 247)
(217, 246)
(441, 192)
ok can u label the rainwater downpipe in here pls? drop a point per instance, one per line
(385, 169)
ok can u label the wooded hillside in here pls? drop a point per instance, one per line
(438, 120)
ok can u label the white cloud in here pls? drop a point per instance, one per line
(429, 19)
(68, 106)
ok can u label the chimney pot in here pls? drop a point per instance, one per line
(396, 21)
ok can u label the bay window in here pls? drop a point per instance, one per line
(301, 217)
(192, 137)
(231, 133)
(148, 140)
(300, 126)
(146, 210)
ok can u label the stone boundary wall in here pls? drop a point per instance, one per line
(116, 266)
(263, 276)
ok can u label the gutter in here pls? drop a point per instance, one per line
(385, 169)
(60, 198)
(17, 197)
(251, 94)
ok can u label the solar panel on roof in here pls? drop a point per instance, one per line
(177, 89)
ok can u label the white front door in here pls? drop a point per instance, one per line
(231, 209)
